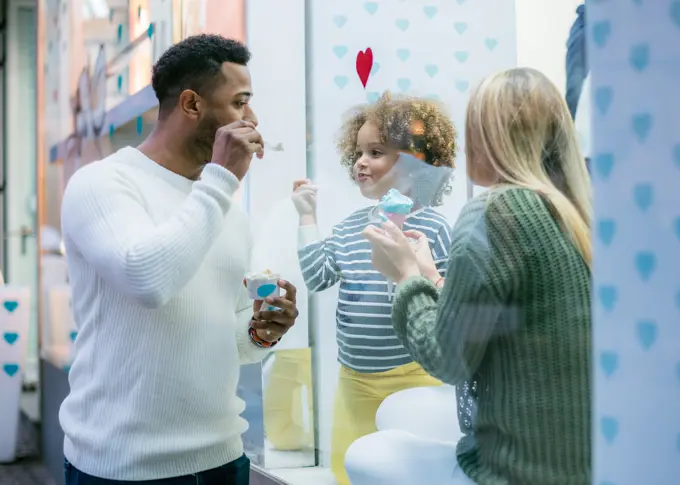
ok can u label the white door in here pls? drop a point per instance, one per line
(21, 253)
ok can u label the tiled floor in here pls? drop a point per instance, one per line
(28, 469)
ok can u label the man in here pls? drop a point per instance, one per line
(577, 60)
(157, 252)
(578, 71)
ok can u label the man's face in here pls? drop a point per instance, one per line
(228, 102)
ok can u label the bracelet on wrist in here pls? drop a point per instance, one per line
(439, 283)
(260, 342)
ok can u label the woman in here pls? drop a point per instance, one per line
(512, 323)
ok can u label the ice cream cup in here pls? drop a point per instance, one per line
(397, 219)
(262, 285)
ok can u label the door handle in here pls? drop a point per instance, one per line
(24, 233)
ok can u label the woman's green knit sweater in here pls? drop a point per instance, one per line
(512, 327)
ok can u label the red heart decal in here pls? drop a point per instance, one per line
(364, 65)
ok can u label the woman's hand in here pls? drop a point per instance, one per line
(392, 255)
(424, 255)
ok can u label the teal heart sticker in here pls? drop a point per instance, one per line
(371, 7)
(460, 27)
(610, 428)
(643, 196)
(462, 85)
(402, 24)
(606, 229)
(604, 96)
(608, 295)
(645, 263)
(647, 333)
(431, 70)
(403, 54)
(642, 125)
(639, 57)
(430, 11)
(340, 51)
(404, 83)
(609, 361)
(10, 305)
(604, 163)
(601, 32)
(10, 369)
(490, 43)
(10, 337)
(340, 81)
(339, 21)
(675, 13)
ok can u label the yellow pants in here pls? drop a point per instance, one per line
(288, 392)
(357, 400)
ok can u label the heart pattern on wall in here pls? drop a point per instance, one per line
(637, 237)
(366, 57)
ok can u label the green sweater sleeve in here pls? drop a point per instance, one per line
(448, 332)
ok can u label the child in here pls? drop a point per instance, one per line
(395, 143)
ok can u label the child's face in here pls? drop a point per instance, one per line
(374, 162)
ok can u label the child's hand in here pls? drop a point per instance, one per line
(423, 255)
(304, 197)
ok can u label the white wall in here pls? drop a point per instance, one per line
(542, 32)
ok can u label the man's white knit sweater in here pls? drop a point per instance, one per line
(156, 264)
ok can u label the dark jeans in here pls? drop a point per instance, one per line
(235, 473)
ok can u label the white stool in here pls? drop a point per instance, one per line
(428, 412)
(416, 441)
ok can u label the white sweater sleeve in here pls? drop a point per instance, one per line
(104, 218)
(248, 351)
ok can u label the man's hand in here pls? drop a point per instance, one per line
(272, 325)
(234, 147)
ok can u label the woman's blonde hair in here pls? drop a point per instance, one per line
(518, 124)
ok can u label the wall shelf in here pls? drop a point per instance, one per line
(132, 107)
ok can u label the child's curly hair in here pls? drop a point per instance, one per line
(396, 117)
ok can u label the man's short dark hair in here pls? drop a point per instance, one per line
(194, 63)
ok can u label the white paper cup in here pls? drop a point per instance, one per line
(260, 287)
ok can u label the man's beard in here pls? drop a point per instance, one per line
(204, 138)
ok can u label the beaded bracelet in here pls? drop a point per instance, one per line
(260, 342)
